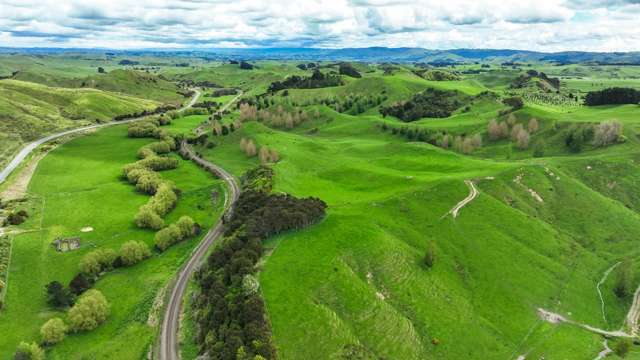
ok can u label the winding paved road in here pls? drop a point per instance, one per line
(169, 347)
(15, 162)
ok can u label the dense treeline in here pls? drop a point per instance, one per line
(316, 80)
(464, 143)
(228, 309)
(158, 110)
(615, 95)
(348, 70)
(223, 92)
(429, 103)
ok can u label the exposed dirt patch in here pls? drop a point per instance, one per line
(86, 229)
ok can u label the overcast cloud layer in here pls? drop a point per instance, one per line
(544, 25)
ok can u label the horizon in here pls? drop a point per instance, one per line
(541, 26)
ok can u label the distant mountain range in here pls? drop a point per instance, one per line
(370, 54)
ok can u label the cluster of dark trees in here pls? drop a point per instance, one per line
(577, 136)
(59, 296)
(128, 62)
(348, 70)
(228, 309)
(158, 110)
(246, 66)
(316, 80)
(202, 84)
(614, 95)
(207, 104)
(429, 103)
(306, 66)
(515, 102)
(16, 218)
(413, 134)
(223, 92)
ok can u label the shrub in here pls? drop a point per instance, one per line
(57, 295)
(97, 261)
(430, 255)
(533, 125)
(164, 199)
(622, 347)
(91, 310)
(53, 331)
(607, 133)
(168, 236)
(132, 252)
(146, 218)
(28, 351)
(538, 149)
(522, 139)
(515, 102)
(186, 226)
(79, 284)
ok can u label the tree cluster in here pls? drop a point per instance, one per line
(184, 228)
(348, 70)
(278, 117)
(611, 96)
(229, 312)
(316, 80)
(91, 310)
(429, 103)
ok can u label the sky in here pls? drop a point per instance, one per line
(541, 25)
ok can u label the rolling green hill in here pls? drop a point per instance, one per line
(30, 111)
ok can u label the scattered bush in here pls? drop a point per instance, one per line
(132, 252)
(90, 311)
(28, 351)
(53, 331)
(607, 133)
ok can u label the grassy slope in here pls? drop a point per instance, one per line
(502, 258)
(78, 185)
(31, 110)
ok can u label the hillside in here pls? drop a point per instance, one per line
(30, 111)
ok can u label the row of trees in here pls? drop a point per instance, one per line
(278, 117)
(184, 228)
(265, 154)
(515, 131)
(91, 310)
(229, 311)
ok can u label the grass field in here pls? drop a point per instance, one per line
(357, 282)
(78, 185)
(30, 111)
(357, 279)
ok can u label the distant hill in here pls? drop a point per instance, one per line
(373, 54)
